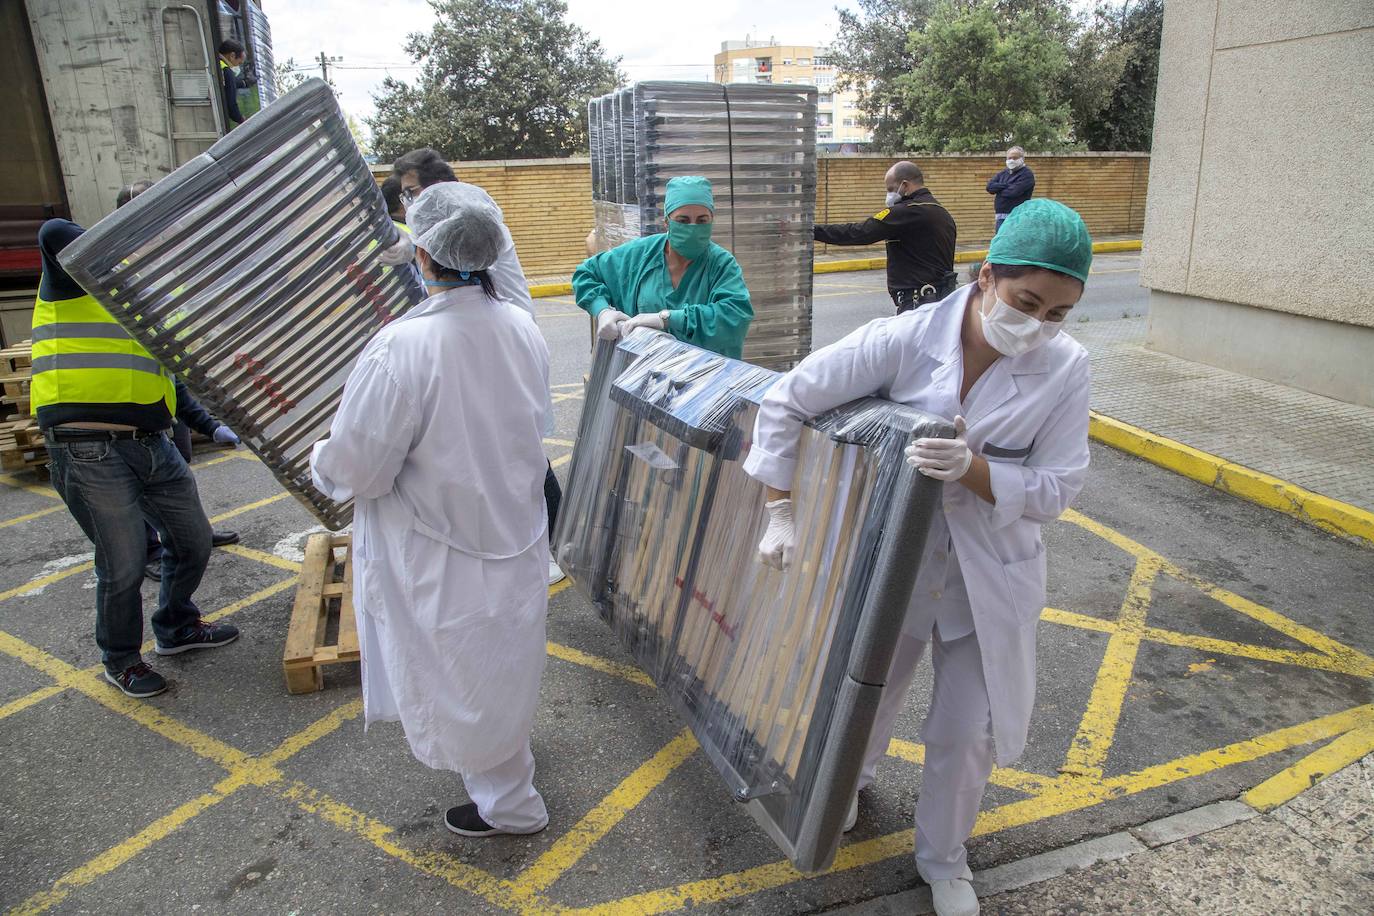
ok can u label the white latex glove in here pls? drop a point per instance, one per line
(225, 436)
(780, 539)
(943, 459)
(644, 320)
(608, 324)
(400, 253)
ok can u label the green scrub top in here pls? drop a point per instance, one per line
(709, 308)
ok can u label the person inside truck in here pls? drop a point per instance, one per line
(232, 78)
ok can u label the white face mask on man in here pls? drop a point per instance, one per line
(1015, 164)
(894, 197)
(1012, 332)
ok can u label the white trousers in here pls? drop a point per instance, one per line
(505, 794)
(959, 749)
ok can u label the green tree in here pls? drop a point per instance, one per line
(500, 79)
(1097, 57)
(871, 51)
(1125, 121)
(985, 79)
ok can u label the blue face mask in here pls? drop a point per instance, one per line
(689, 239)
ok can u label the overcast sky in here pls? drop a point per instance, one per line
(679, 44)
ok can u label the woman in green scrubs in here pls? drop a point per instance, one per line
(678, 281)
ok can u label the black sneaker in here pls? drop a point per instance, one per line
(138, 681)
(153, 571)
(201, 635)
(220, 538)
(465, 821)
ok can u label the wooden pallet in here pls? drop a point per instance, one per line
(22, 446)
(16, 359)
(324, 594)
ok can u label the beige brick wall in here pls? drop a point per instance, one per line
(547, 202)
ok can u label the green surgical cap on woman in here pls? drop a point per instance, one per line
(687, 190)
(1044, 233)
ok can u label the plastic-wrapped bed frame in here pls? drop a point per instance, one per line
(757, 145)
(777, 673)
(252, 273)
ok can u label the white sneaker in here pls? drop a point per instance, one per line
(556, 575)
(954, 897)
(852, 817)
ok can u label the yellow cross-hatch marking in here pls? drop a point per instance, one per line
(1342, 737)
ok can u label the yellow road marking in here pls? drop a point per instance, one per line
(1070, 795)
(32, 515)
(1353, 658)
(436, 864)
(611, 810)
(1097, 728)
(249, 508)
(566, 385)
(566, 443)
(597, 663)
(40, 489)
(122, 852)
(29, 699)
(1307, 772)
(568, 396)
(211, 462)
(262, 556)
(47, 580)
(1020, 780)
(561, 460)
(253, 772)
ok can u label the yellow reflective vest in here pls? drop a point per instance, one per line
(81, 355)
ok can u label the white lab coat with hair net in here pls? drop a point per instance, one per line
(438, 441)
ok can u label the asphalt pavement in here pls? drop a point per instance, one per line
(1195, 649)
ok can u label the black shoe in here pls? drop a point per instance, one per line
(465, 821)
(220, 538)
(138, 681)
(201, 635)
(153, 571)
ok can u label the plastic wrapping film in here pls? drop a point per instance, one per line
(252, 273)
(757, 145)
(777, 673)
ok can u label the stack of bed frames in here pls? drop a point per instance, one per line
(252, 273)
(757, 144)
(777, 673)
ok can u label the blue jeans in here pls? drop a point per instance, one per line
(111, 487)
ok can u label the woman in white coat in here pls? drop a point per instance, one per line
(989, 356)
(438, 439)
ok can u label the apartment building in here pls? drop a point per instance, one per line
(756, 61)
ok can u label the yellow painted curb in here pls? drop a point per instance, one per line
(879, 263)
(1262, 489)
(544, 290)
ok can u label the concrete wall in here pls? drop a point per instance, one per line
(1261, 183)
(547, 202)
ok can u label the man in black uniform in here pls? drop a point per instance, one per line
(920, 238)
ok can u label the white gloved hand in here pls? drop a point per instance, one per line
(780, 539)
(225, 436)
(400, 253)
(943, 459)
(644, 320)
(608, 324)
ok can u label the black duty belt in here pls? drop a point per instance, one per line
(68, 434)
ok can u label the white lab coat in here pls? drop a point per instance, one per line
(1029, 420)
(438, 439)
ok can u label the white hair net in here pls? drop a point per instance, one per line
(458, 224)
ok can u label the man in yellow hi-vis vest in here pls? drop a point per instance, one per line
(105, 407)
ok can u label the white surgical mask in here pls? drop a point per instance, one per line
(893, 198)
(238, 71)
(1012, 332)
(1015, 164)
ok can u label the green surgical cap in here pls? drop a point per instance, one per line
(689, 189)
(1044, 233)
